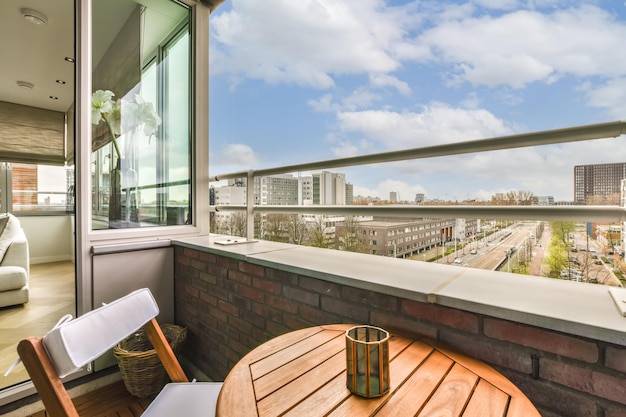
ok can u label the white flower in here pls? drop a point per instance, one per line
(101, 104)
(123, 116)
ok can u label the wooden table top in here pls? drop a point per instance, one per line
(303, 373)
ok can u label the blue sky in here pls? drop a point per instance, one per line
(295, 81)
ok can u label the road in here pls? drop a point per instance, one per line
(492, 251)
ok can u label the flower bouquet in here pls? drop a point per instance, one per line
(123, 118)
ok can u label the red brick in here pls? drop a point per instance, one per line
(395, 323)
(250, 293)
(266, 285)
(373, 299)
(190, 253)
(183, 260)
(584, 379)
(208, 278)
(227, 263)
(252, 269)
(442, 315)
(228, 308)
(281, 303)
(320, 286)
(311, 316)
(207, 257)
(198, 265)
(500, 354)
(353, 312)
(616, 358)
(284, 277)
(302, 296)
(240, 277)
(541, 339)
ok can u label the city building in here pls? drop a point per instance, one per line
(402, 238)
(598, 180)
(545, 200)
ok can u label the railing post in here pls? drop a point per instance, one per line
(250, 205)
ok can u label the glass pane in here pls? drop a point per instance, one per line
(39, 188)
(140, 115)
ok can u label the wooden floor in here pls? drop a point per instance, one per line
(109, 401)
(52, 295)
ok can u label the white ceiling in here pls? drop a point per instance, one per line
(36, 54)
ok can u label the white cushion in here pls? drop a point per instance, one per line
(12, 229)
(189, 399)
(12, 278)
(78, 342)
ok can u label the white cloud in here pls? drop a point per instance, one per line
(306, 42)
(436, 124)
(610, 96)
(383, 80)
(235, 154)
(526, 46)
(359, 98)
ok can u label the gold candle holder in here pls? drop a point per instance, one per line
(367, 361)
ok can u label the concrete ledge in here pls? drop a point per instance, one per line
(574, 308)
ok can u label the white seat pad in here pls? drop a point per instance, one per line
(189, 399)
(78, 342)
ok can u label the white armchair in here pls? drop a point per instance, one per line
(14, 267)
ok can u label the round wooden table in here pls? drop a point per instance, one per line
(303, 373)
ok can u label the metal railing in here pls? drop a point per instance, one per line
(542, 138)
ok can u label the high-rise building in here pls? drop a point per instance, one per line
(597, 180)
(393, 196)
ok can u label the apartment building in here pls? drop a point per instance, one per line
(403, 238)
(597, 180)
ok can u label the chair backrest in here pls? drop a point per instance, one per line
(76, 343)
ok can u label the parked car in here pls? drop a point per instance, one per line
(458, 261)
(473, 252)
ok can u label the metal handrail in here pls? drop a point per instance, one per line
(547, 137)
(541, 138)
(549, 213)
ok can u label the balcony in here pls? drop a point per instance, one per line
(561, 342)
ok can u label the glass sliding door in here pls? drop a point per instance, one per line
(141, 134)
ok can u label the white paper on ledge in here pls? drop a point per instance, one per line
(234, 241)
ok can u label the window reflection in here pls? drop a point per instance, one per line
(141, 117)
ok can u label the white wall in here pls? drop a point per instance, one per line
(50, 238)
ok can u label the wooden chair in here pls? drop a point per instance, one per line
(78, 342)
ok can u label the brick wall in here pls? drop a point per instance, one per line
(230, 306)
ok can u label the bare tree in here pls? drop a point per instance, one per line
(276, 227)
(297, 228)
(603, 200)
(349, 236)
(237, 224)
(519, 197)
(317, 234)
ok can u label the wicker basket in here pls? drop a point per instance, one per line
(141, 369)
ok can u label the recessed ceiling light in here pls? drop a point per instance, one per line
(26, 85)
(54, 97)
(60, 82)
(69, 59)
(33, 16)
